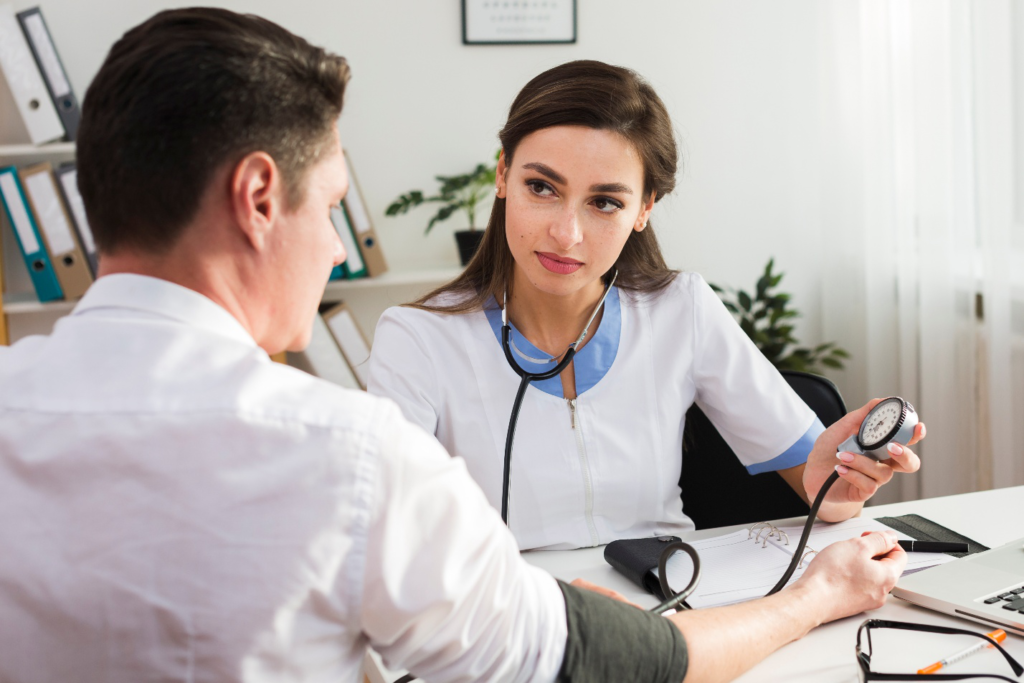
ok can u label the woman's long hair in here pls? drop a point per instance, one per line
(581, 93)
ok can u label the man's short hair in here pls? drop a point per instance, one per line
(186, 93)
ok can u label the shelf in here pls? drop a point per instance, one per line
(18, 155)
(27, 302)
(337, 289)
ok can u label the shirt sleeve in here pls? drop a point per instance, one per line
(446, 594)
(402, 370)
(763, 420)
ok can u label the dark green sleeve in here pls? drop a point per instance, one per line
(612, 641)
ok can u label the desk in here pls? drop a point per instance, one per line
(826, 655)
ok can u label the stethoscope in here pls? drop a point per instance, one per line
(892, 419)
(526, 377)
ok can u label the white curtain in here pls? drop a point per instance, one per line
(923, 186)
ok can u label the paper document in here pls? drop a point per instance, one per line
(745, 564)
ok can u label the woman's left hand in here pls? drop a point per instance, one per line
(859, 475)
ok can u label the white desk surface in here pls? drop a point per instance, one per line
(826, 655)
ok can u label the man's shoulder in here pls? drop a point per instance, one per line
(280, 392)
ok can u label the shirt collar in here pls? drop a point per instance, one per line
(161, 298)
(592, 362)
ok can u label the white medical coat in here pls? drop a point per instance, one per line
(605, 466)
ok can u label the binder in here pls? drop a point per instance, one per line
(359, 219)
(67, 182)
(4, 339)
(350, 339)
(337, 273)
(53, 222)
(354, 266)
(44, 279)
(323, 358)
(56, 79)
(25, 83)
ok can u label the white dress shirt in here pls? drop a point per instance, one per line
(606, 465)
(175, 506)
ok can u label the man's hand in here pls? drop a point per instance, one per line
(860, 476)
(856, 575)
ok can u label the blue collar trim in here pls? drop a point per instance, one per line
(592, 362)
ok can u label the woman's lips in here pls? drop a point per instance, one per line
(561, 265)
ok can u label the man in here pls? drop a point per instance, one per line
(177, 507)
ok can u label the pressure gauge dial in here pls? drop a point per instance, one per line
(893, 419)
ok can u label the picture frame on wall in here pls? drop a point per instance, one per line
(518, 22)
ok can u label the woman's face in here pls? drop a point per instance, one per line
(572, 197)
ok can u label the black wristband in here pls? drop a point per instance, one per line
(612, 641)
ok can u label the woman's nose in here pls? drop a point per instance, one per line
(566, 230)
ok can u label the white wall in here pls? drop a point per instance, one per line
(741, 79)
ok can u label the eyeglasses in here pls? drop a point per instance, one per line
(864, 657)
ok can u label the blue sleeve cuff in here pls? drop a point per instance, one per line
(794, 455)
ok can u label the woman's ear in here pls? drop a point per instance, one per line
(500, 185)
(645, 214)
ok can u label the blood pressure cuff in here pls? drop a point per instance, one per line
(611, 641)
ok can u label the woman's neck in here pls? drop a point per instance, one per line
(552, 322)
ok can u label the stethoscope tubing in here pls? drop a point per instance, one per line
(525, 379)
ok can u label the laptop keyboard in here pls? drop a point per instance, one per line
(1011, 599)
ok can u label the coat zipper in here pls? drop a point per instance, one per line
(588, 485)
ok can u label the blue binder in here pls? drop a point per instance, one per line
(33, 249)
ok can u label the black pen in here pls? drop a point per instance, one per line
(933, 547)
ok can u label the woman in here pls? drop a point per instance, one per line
(587, 151)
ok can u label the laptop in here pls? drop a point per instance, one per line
(986, 587)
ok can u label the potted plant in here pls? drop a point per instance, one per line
(767, 321)
(463, 193)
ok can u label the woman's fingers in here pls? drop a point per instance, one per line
(863, 473)
(902, 459)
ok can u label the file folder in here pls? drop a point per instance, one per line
(354, 267)
(350, 339)
(4, 339)
(55, 226)
(67, 181)
(44, 279)
(25, 82)
(359, 219)
(323, 358)
(57, 84)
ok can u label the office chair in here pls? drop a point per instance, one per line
(718, 491)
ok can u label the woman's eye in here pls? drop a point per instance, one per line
(540, 188)
(607, 205)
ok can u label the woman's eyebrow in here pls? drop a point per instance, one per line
(558, 178)
(545, 171)
(611, 187)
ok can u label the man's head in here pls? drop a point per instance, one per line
(211, 134)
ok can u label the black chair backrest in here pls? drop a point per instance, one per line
(718, 491)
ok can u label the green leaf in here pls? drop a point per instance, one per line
(731, 306)
(443, 214)
(832, 363)
(840, 353)
(744, 300)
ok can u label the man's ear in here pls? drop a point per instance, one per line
(257, 193)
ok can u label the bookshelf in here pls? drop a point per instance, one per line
(22, 314)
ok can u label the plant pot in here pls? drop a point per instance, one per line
(468, 241)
